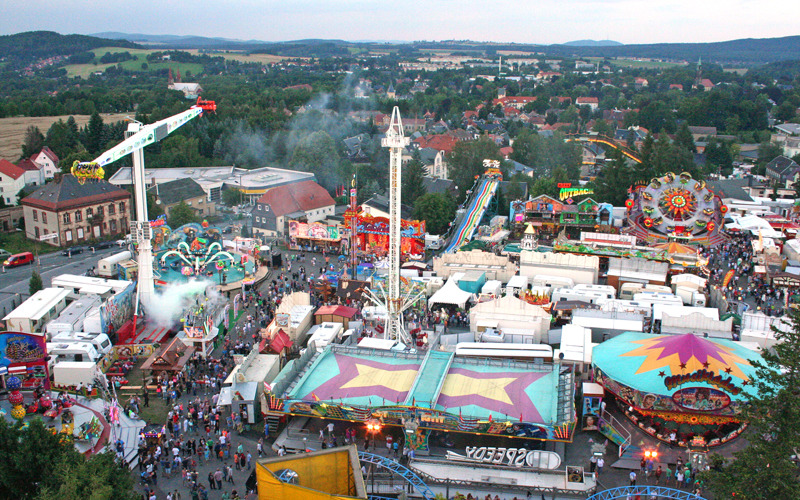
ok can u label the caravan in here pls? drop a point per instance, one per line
(554, 282)
(590, 297)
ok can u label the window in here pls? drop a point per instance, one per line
(89, 212)
(78, 216)
(111, 209)
(35, 216)
(68, 235)
(113, 226)
(44, 217)
(258, 219)
(121, 207)
(80, 233)
(100, 210)
(66, 218)
(36, 232)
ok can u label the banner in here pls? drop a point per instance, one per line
(236, 301)
(728, 277)
(226, 314)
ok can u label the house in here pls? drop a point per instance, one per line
(782, 169)
(675, 86)
(378, 206)
(48, 162)
(706, 84)
(592, 102)
(700, 132)
(76, 212)
(171, 194)
(12, 180)
(639, 83)
(33, 173)
(791, 146)
(307, 200)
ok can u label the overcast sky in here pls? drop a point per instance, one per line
(524, 21)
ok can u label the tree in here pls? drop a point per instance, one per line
(763, 470)
(767, 152)
(99, 477)
(33, 141)
(94, 136)
(413, 172)
(231, 197)
(684, 138)
(317, 152)
(614, 180)
(35, 283)
(437, 210)
(181, 214)
(466, 160)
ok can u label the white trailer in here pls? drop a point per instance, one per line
(516, 284)
(73, 373)
(554, 282)
(107, 267)
(691, 296)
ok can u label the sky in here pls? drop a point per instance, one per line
(522, 21)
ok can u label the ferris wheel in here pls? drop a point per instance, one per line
(679, 205)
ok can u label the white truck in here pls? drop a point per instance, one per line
(72, 351)
(107, 268)
(691, 296)
(100, 341)
(72, 373)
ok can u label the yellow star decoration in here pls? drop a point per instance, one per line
(653, 361)
(457, 384)
(369, 376)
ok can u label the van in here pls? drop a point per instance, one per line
(19, 259)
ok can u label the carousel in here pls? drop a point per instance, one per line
(676, 207)
(682, 389)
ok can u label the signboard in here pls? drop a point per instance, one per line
(194, 332)
(282, 320)
(50, 236)
(565, 193)
(509, 457)
(701, 399)
(313, 231)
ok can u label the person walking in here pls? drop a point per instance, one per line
(600, 463)
(632, 477)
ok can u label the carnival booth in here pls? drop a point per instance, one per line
(682, 389)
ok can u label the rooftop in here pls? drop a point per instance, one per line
(38, 304)
(256, 180)
(172, 192)
(67, 192)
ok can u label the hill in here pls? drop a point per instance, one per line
(748, 51)
(25, 48)
(592, 43)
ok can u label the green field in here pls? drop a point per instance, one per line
(84, 70)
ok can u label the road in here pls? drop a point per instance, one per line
(14, 281)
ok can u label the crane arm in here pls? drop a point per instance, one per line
(147, 134)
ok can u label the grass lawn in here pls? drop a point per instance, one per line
(17, 243)
(84, 70)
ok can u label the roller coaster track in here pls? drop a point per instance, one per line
(660, 492)
(607, 141)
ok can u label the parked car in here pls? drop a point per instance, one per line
(4, 254)
(19, 259)
(72, 251)
(103, 244)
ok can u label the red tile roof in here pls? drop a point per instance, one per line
(300, 196)
(586, 100)
(439, 142)
(27, 164)
(11, 170)
(50, 154)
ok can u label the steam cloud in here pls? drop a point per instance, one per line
(166, 307)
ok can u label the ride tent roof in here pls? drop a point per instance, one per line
(642, 361)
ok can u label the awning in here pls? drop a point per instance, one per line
(450, 293)
(280, 342)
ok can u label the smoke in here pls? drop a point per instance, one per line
(253, 146)
(167, 306)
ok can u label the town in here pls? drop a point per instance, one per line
(431, 270)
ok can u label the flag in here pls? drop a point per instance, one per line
(466, 424)
(314, 397)
(490, 418)
(728, 277)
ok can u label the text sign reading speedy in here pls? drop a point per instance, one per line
(516, 457)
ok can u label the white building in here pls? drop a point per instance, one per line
(580, 268)
(12, 180)
(521, 322)
(47, 161)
